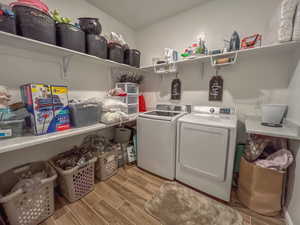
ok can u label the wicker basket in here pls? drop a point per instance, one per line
(32, 207)
(77, 182)
(107, 165)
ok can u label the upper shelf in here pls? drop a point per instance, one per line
(276, 48)
(20, 42)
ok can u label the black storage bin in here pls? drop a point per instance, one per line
(132, 57)
(70, 36)
(90, 25)
(96, 45)
(35, 24)
(116, 52)
(8, 24)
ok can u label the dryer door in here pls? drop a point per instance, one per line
(203, 151)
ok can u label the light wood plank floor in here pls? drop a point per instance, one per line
(120, 201)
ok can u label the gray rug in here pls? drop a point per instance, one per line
(175, 204)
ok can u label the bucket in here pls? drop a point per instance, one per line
(122, 135)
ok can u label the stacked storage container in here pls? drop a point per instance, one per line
(132, 98)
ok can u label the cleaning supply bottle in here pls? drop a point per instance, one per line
(234, 42)
(176, 89)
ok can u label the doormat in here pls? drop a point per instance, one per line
(175, 204)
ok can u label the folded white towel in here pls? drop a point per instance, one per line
(296, 34)
(288, 10)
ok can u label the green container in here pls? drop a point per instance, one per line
(240, 150)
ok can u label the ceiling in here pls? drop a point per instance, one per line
(139, 14)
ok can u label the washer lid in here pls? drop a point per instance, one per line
(161, 115)
(227, 121)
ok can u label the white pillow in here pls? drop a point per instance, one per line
(296, 33)
(288, 10)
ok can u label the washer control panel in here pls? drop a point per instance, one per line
(227, 111)
(213, 110)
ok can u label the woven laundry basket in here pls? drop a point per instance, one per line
(32, 207)
(76, 182)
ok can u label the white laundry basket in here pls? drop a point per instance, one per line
(32, 207)
(107, 165)
(75, 183)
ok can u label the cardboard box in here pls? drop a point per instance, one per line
(48, 107)
(261, 189)
(61, 107)
(38, 101)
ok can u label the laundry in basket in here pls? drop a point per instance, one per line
(27, 193)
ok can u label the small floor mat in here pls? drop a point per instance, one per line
(175, 204)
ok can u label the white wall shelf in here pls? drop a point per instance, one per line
(273, 48)
(20, 42)
(289, 130)
(13, 144)
(65, 54)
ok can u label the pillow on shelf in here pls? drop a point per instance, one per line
(287, 15)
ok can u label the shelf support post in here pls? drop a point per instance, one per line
(202, 70)
(65, 66)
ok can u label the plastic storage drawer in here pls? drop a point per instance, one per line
(13, 128)
(83, 114)
(131, 99)
(71, 37)
(35, 24)
(132, 109)
(129, 88)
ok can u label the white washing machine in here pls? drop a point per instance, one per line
(156, 140)
(206, 150)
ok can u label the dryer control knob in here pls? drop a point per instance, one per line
(212, 110)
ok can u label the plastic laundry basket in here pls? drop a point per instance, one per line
(107, 165)
(32, 207)
(76, 182)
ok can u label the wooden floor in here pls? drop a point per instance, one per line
(120, 201)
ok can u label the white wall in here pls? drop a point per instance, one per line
(255, 79)
(294, 172)
(86, 78)
(216, 18)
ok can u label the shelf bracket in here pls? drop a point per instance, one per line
(65, 66)
(202, 70)
(231, 55)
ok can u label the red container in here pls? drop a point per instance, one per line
(142, 104)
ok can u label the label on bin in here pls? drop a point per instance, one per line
(6, 133)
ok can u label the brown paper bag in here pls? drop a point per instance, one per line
(260, 189)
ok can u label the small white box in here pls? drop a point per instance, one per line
(273, 114)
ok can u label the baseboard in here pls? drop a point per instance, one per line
(288, 218)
